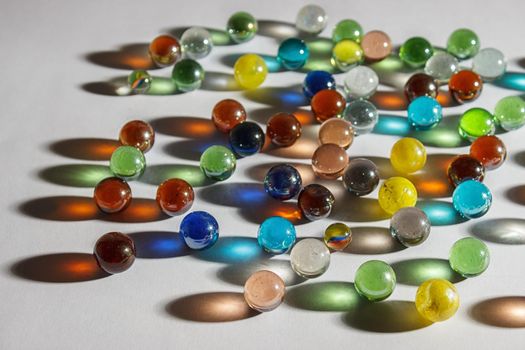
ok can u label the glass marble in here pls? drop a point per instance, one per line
(276, 235)
(246, 139)
(337, 236)
(228, 113)
(115, 252)
(293, 53)
(264, 291)
(441, 66)
(139, 134)
(465, 86)
(360, 82)
(469, 257)
(375, 280)
(165, 50)
(310, 258)
(188, 75)
(139, 81)
(489, 150)
(361, 177)
(471, 199)
(362, 115)
(476, 122)
(127, 162)
(376, 45)
(347, 54)
(437, 300)
(315, 202)
(336, 131)
(218, 162)
(282, 182)
(421, 84)
(112, 195)
(463, 43)
(489, 63)
(329, 161)
(311, 19)
(241, 27)
(327, 104)
(408, 155)
(196, 42)
(510, 112)
(424, 113)
(416, 51)
(175, 196)
(316, 81)
(465, 167)
(199, 229)
(396, 193)
(347, 29)
(410, 226)
(250, 71)
(283, 129)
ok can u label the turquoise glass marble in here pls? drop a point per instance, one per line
(276, 235)
(424, 112)
(199, 229)
(463, 43)
(241, 27)
(139, 81)
(416, 51)
(188, 75)
(218, 162)
(316, 81)
(510, 112)
(469, 257)
(127, 162)
(471, 199)
(347, 29)
(375, 280)
(476, 122)
(293, 53)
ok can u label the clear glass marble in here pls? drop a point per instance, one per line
(196, 43)
(410, 226)
(489, 63)
(310, 258)
(441, 66)
(361, 82)
(311, 19)
(362, 114)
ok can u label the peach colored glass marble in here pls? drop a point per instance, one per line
(376, 45)
(264, 291)
(337, 131)
(329, 161)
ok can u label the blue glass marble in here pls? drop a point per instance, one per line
(276, 235)
(424, 113)
(199, 229)
(471, 199)
(282, 182)
(293, 53)
(316, 81)
(246, 139)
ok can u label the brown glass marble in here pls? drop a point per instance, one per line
(376, 45)
(329, 161)
(421, 84)
(336, 131)
(226, 114)
(465, 167)
(489, 150)
(115, 252)
(112, 195)
(327, 104)
(465, 86)
(315, 202)
(139, 134)
(175, 196)
(165, 50)
(283, 129)
(264, 291)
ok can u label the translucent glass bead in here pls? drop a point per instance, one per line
(362, 115)
(127, 162)
(376, 45)
(465, 86)
(416, 51)
(327, 104)
(375, 280)
(315, 202)
(347, 29)
(112, 195)
(510, 112)
(246, 139)
(276, 235)
(115, 252)
(175, 196)
(282, 182)
(347, 54)
(489, 150)
(437, 300)
(139, 81)
(283, 129)
(199, 229)
(397, 193)
(337, 236)
(489, 63)
(316, 81)
(471, 199)
(469, 257)
(264, 291)
(441, 66)
(311, 19)
(310, 258)
(463, 43)
(196, 43)
(228, 113)
(165, 50)
(139, 134)
(218, 162)
(329, 161)
(241, 27)
(476, 122)
(408, 155)
(361, 82)
(361, 177)
(421, 84)
(293, 53)
(410, 226)
(465, 167)
(336, 131)
(250, 71)
(424, 113)
(188, 75)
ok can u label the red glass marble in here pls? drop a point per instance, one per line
(139, 134)
(175, 196)
(115, 252)
(283, 129)
(112, 195)
(421, 84)
(465, 86)
(165, 50)
(489, 150)
(327, 104)
(465, 167)
(315, 202)
(228, 113)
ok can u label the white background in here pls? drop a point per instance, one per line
(55, 56)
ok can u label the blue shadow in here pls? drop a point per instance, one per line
(233, 250)
(440, 213)
(159, 244)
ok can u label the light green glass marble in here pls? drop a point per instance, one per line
(416, 51)
(476, 122)
(347, 29)
(469, 257)
(463, 43)
(218, 162)
(241, 27)
(375, 280)
(188, 75)
(127, 162)
(139, 81)
(510, 112)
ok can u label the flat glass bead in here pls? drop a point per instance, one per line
(293, 53)
(410, 226)
(196, 43)
(362, 115)
(476, 122)
(375, 280)
(188, 75)
(465, 86)
(361, 82)
(250, 71)
(218, 162)
(165, 50)
(115, 252)
(510, 112)
(408, 155)
(416, 51)
(327, 104)
(489, 63)
(397, 193)
(421, 84)
(311, 19)
(441, 66)
(112, 195)
(347, 29)
(139, 81)
(376, 45)
(361, 177)
(463, 43)
(489, 150)
(424, 113)
(127, 162)
(437, 300)
(329, 161)
(316, 81)
(241, 27)
(246, 139)
(175, 196)
(310, 258)
(282, 182)
(315, 202)
(199, 229)
(465, 167)
(264, 291)
(336, 131)
(276, 235)
(283, 129)
(347, 54)
(471, 199)
(337, 236)
(228, 113)
(469, 257)
(139, 134)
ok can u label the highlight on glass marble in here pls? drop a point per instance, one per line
(227, 113)
(375, 280)
(336, 131)
(416, 51)
(246, 139)
(421, 84)
(465, 86)
(410, 226)
(196, 43)
(264, 291)
(139, 81)
(376, 45)
(250, 71)
(282, 182)
(489, 150)
(408, 155)
(361, 177)
(165, 50)
(329, 161)
(441, 66)
(218, 162)
(509, 113)
(471, 199)
(327, 104)
(361, 82)
(363, 116)
(112, 195)
(311, 19)
(315, 202)
(396, 193)
(310, 258)
(464, 167)
(437, 300)
(346, 54)
(115, 252)
(139, 134)
(424, 113)
(241, 27)
(188, 75)
(476, 122)
(469, 257)
(175, 196)
(127, 162)
(293, 53)
(199, 229)
(317, 80)
(276, 235)
(283, 129)
(337, 236)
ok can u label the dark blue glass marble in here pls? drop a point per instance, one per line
(316, 81)
(293, 53)
(246, 139)
(471, 199)
(282, 182)
(199, 229)
(276, 235)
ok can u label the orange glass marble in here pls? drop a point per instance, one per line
(489, 150)
(283, 129)
(336, 131)
(165, 50)
(115, 252)
(175, 196)
(329, 161)
(112, 195)
(465, 86)
(376, 45)
(139, 134)
(228, 113)
(264, 291)
(327, 104)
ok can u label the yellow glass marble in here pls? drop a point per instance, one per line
(250, 71)
(437, 300)
(408, 155)
(347, 54)
(396, 193)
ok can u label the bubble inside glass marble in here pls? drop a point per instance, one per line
(310, 258)
(471, 199)
(510, 112)
(199, 229)
(337, 236)
(347, 54)
(375, 280)
(276, 235)
(410, 226)
(188, 75)
(476, 122)
(441, 66)
(361, 177)
(469, 257)
(408, 155)
(489, 63)
(264, 291)
(127, 162)
(362, 115)
(361, 82)
(396, 193)
(376, 45)
(437, 300)
(139, 81)
(424, 113)
(329, 161)
(282, 182)
(218, 162)
(336, 131)
(311, 19)
(196, 42)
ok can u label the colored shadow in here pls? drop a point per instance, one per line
(162, 86)
(127, 57)
(276, 29)
(232, 250)
(372, 240)
(432, 181)
(392, 72)
(193, 149)
(191, 127)
(444, 135)
(272, 63)
(262, 115)
(324, 296)
(159, 244)
(320, 55)
(440, 213)
(218, 81)
(503, 231)
(157, 174)
(117, 86)
(75, 175)
(394, 125)
(286, 210)
(303, 148)
(505, 312)
(357, 209)
(511, 81)
(140, 210)
(413, 272)
(236, 195)
(237, 274)
(219, 37)
(258, 172)
(389, 100)
(85, 148)
(278, 97)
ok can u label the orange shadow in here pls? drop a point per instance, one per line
(372, 240)
(85, 148)
(445, 100)
(432, 181)
(128, 57)
(389, 100)
(191, 127)
(288, 210)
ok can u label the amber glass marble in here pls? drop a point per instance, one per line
(465, 167)
(165, 50)
(329, 161)
(115, 252)
(228, 113)
(112, 195)
(315, 202)
(283, 129)
(376, 45)
(421, 84)
(465, 86)
(175, 196)
(137, 133)
(336, 131)
(327, 104)
(489, 150)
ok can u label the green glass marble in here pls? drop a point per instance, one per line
(347, 29)
(463, 43)
(218, 162)
(476, 122)
(416, 51)
(510, 112)
(241, 27)
(127, 162)
(469, 257)
(139, 81)
(188, 75)
(375, 280)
